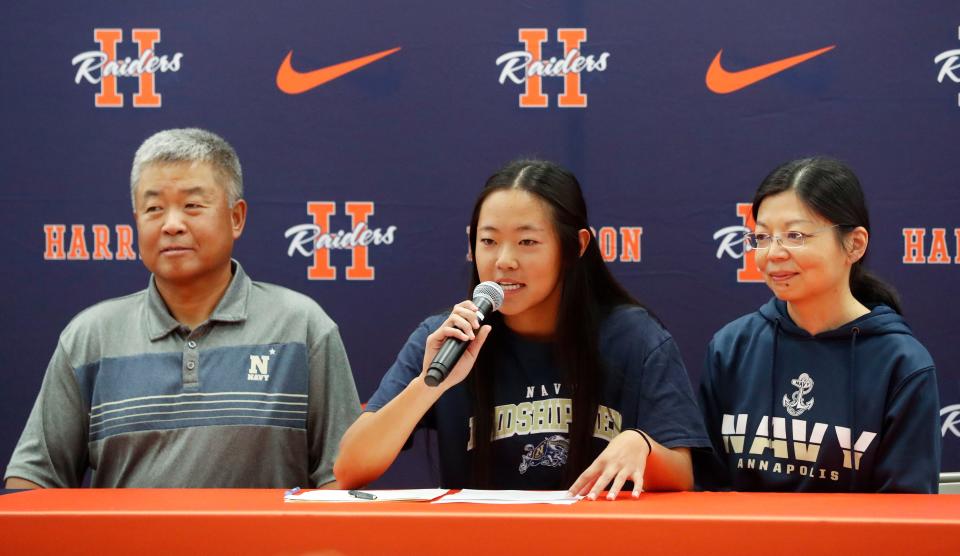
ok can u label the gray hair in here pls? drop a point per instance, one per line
(190, 145)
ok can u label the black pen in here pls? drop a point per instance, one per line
(362, 495)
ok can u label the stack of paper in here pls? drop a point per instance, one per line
(409, 495)
(471, 496)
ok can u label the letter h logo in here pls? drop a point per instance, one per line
(533, 95)
(109, 95)
(359, 268)
(748, 271)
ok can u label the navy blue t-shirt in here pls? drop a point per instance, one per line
(645, 386)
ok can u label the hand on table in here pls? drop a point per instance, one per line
(624, 458)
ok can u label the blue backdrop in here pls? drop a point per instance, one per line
(404, 143)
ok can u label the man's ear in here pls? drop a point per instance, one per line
(238, 217)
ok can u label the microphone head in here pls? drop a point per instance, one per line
(492, 291)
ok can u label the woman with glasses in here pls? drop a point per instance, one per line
(824, 388)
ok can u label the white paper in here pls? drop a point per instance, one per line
(323, 495)
(472, 496)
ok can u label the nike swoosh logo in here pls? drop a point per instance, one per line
(721, 81)
(294, 82)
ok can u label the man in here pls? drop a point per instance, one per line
(204, 379)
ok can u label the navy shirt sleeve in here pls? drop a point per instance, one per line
(667, 410)
(408, 366)
(658, 398)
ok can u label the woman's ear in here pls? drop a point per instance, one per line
(584, 236)
(856, 244)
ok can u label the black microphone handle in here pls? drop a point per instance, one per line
(446, 358)
(452, 349)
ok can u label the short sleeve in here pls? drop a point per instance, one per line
(666, 409)
(52, 451)
(334, 404)
(644, 363)
(408, 365)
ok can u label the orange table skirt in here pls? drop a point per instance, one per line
(158, 521)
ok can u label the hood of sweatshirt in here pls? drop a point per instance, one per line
(880, 320)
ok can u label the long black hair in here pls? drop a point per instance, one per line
(588, 293)
(830, 189)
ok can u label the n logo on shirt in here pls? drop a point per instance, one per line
(259, 368)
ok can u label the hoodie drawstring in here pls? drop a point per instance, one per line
(773, 376)
(852, 406)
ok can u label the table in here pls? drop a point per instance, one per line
(160, 521)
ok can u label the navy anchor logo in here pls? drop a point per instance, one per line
(795, 405)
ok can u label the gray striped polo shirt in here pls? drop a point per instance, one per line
(257, 396)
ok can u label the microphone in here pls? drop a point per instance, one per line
(488, 297)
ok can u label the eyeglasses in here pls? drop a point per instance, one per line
(789, 240)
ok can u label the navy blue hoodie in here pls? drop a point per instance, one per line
(780, 405)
